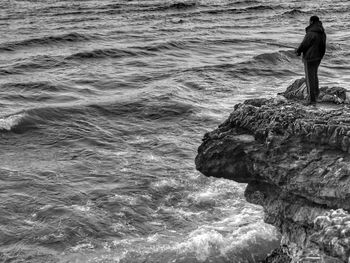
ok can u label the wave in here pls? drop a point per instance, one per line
(150, 49)
(20, 122)
(133, 51)
(7, 71)
(229, 9)
(248, 67)
(205, 244)
(295, 12)
(266, 64)
(242, 10)
(170, 45)
(172, 6)
(275, 57)
(244, 2)
(145, 7)
(33, 86)
(46, 40)
(7, 123)
(79, 20)
(37, 62)
(225, 41)
(182, 5)
(112, 6)
(105, 53)
(249, 243)
(334, 47)
(38, 98)
(34, 118)
(84, 12)
(157, 108)
(248, 70)
(160, 108)
(260, 8)
(188, 43)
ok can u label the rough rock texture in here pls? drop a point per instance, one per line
(298, 91)
(296, 162)
(277, 256)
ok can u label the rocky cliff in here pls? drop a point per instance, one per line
(295, 160)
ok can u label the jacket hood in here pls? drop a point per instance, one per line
(315, 27)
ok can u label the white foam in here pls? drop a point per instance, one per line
(204, 242)
(179, 211)
(83, 246)
(169, 182)
(205, 195)
(81, 208)
(8, 122)
(200, 245)
(218, 193)
(131, 200)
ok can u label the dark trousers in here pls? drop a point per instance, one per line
(312, 79)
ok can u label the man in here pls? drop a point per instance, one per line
(313, 48)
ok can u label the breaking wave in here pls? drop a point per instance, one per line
(7, 123)
(141, 109)
(104, 104)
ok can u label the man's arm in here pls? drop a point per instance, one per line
(306, 44)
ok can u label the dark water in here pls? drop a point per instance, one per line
(103, 106)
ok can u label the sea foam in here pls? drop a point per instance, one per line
(7, 123)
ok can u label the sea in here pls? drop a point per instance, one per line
(104, 104)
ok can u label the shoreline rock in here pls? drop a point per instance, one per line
(296, 162)
(298, 91)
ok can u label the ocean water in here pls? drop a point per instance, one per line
(103, 106)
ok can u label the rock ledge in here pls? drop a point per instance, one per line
(296, 162)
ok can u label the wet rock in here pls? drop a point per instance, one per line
(277, 256)
(295, 160)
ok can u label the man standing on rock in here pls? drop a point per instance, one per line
(313, 48)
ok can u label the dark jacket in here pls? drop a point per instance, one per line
(313, 46)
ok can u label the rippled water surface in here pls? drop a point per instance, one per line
(103, 106)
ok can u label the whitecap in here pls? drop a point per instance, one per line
(81, 208)
(206, 242)
(202, 242)
(82, 246)
(163, 183)
(11, 121)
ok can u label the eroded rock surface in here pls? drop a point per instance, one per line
(296, 162)
(298, 91)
